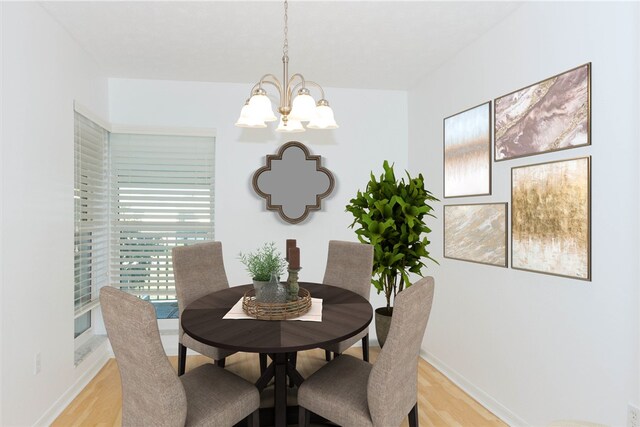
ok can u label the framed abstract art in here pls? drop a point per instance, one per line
(467, 152)
(551, 115)
(551, 218)
(476, 233)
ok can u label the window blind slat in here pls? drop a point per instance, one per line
(161, 196)
(91, 201)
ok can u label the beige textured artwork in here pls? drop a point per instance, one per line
(547, 116)
(467, 152)
(550, 224)
(476, 233)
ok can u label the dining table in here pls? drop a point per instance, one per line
(344, 314)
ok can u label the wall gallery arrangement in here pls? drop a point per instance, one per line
(467, 152)
(547, 116)
(476, 233)
(550, 202)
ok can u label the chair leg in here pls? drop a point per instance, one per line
(220, 362)
(182, 359)
(413, 416)
(365, 348)
(253, 419)
(327, 355)
(263, 363)
(304, 417)
(294, 361)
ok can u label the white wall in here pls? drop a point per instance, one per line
(43, 71)
(537, 347)
(373, 127)
(1, 217)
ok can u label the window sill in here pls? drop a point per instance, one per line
(84, 350)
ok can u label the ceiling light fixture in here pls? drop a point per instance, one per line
(296, 103)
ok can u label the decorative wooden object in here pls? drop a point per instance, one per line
(276, 311)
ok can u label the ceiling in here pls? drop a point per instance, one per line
(356, 44)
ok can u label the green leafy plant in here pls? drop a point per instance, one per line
(390, 215)
(264, 261)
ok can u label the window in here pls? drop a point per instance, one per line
(91, 202)
(161, 196)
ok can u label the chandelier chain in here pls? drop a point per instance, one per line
(285, 48)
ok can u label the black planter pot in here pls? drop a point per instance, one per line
(383, 322)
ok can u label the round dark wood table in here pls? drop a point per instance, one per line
(344, 314)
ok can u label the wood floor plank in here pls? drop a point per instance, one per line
(441, 402)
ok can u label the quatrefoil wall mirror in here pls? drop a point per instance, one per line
(293, 182)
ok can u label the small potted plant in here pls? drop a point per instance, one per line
(265, 265)
(389, 214)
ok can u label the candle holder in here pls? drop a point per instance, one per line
(292, 284)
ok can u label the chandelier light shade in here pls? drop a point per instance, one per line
(304, 107)
(324, 118)
(296, 103)
(247, 120)
(290, 126)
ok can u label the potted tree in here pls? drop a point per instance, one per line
(389, 214)
(265, 265)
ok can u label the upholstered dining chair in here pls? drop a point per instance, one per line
(198, 270)
(349, 266)
(351, 392)
(152, 392)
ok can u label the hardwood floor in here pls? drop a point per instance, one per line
(441, 403)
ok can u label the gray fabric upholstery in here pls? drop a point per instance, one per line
(217, 397)
(338, 392)
(343, 346)
(152, 392)
(214, 353)
(351, 392)
(393, 384)
(349, 266)
(198, 270)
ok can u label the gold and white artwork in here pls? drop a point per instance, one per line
(550, 218)
(467, 152)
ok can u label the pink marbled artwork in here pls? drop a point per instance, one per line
(547, 116)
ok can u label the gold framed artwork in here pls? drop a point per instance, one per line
(476, 233)
(467, 152)
(551, 218)
(551, 115)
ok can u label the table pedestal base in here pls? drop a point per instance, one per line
(281, 368)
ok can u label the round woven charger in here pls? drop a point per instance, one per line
(274, 310)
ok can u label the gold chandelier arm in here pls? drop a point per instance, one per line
(307, 83)
(300, 76)
(291, 88)
(265, 79)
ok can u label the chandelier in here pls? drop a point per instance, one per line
(296, 103)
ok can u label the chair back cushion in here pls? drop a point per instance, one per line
(152, 394)
(198, 270)
(349, 266)
(392, 389)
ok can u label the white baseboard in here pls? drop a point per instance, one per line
(497, 408)
(92, 366)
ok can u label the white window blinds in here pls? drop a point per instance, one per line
(91, 210)
(161, 196)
